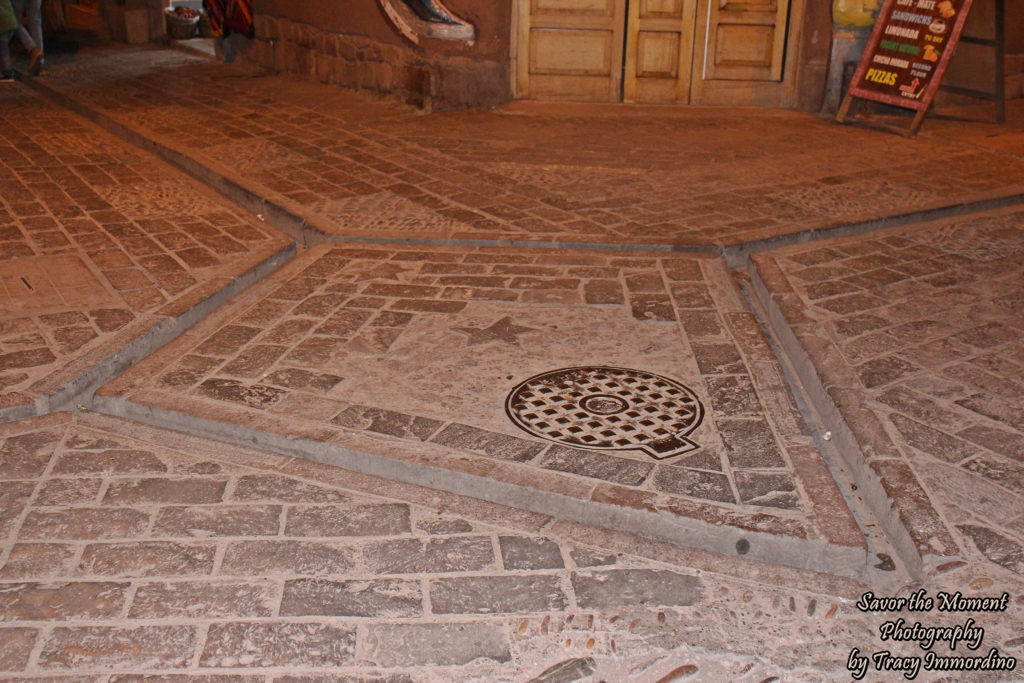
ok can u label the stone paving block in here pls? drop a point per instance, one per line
(26, 455)
(62, 602)
(696, 483)
(149, 558)
(60, 492)
(772, 490)
(256, 396)
(113, 648)
(16, 647)
(1009, 475)
(525, 552)
(234, 520)
(931, 441)
(359, 598)
(397, 645)
(13, 498)
(486, 442)
(1002, 441)
(268, 487)
(618, 589)
(733, 395)
(598, 466)
(253, 645)
(387, 422)
(288, 557)
(589, 557)
(1001, 550)
(184, 678)
(164, 491)
(39, 560)
(497, 594)
(80, 523)
(749, 443)
(652, 307)
(192, 599)
(435, 555)
(718, 358)
(358, 520)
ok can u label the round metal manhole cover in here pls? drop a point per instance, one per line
(605, 408)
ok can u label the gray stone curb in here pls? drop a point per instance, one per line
(869, 485)
(813, 555)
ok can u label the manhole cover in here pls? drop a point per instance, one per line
(614, 409)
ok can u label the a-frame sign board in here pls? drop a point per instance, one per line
(907, 54)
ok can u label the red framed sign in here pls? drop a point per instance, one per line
(907, 53)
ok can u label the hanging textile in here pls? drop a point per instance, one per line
(230, 16)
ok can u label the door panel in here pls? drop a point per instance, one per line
(659, 50)
(571, 49)
(657, 54)
(746, 40)
(571, 52)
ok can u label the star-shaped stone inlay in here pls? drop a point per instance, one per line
(384, 271)
(504, 331)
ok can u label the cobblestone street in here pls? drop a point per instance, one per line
(295, 387)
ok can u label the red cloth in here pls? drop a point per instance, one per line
(230, 16)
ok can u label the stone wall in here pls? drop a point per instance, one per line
(416, 75)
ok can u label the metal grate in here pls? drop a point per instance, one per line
(608, 408)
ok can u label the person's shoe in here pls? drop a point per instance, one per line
(7, 77)
(35, 61)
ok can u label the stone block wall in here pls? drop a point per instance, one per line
(360, 63)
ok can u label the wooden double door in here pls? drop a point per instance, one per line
(700, 51)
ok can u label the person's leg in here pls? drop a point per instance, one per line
(35, 22)
(32, 38)
(26, 38)
(6, 72)
(23, 35)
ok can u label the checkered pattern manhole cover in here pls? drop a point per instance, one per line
(614, 409)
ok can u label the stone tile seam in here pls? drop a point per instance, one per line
(817, 554)
(735, 255)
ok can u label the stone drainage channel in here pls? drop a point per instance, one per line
(611, 409)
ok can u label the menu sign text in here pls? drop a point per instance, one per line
(908, 51)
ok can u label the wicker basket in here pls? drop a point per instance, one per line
(180, 28)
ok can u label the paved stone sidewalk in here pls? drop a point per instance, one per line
(409, 354)
(128, 551)
(333, 163)
(105, 250)
(916, 333)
